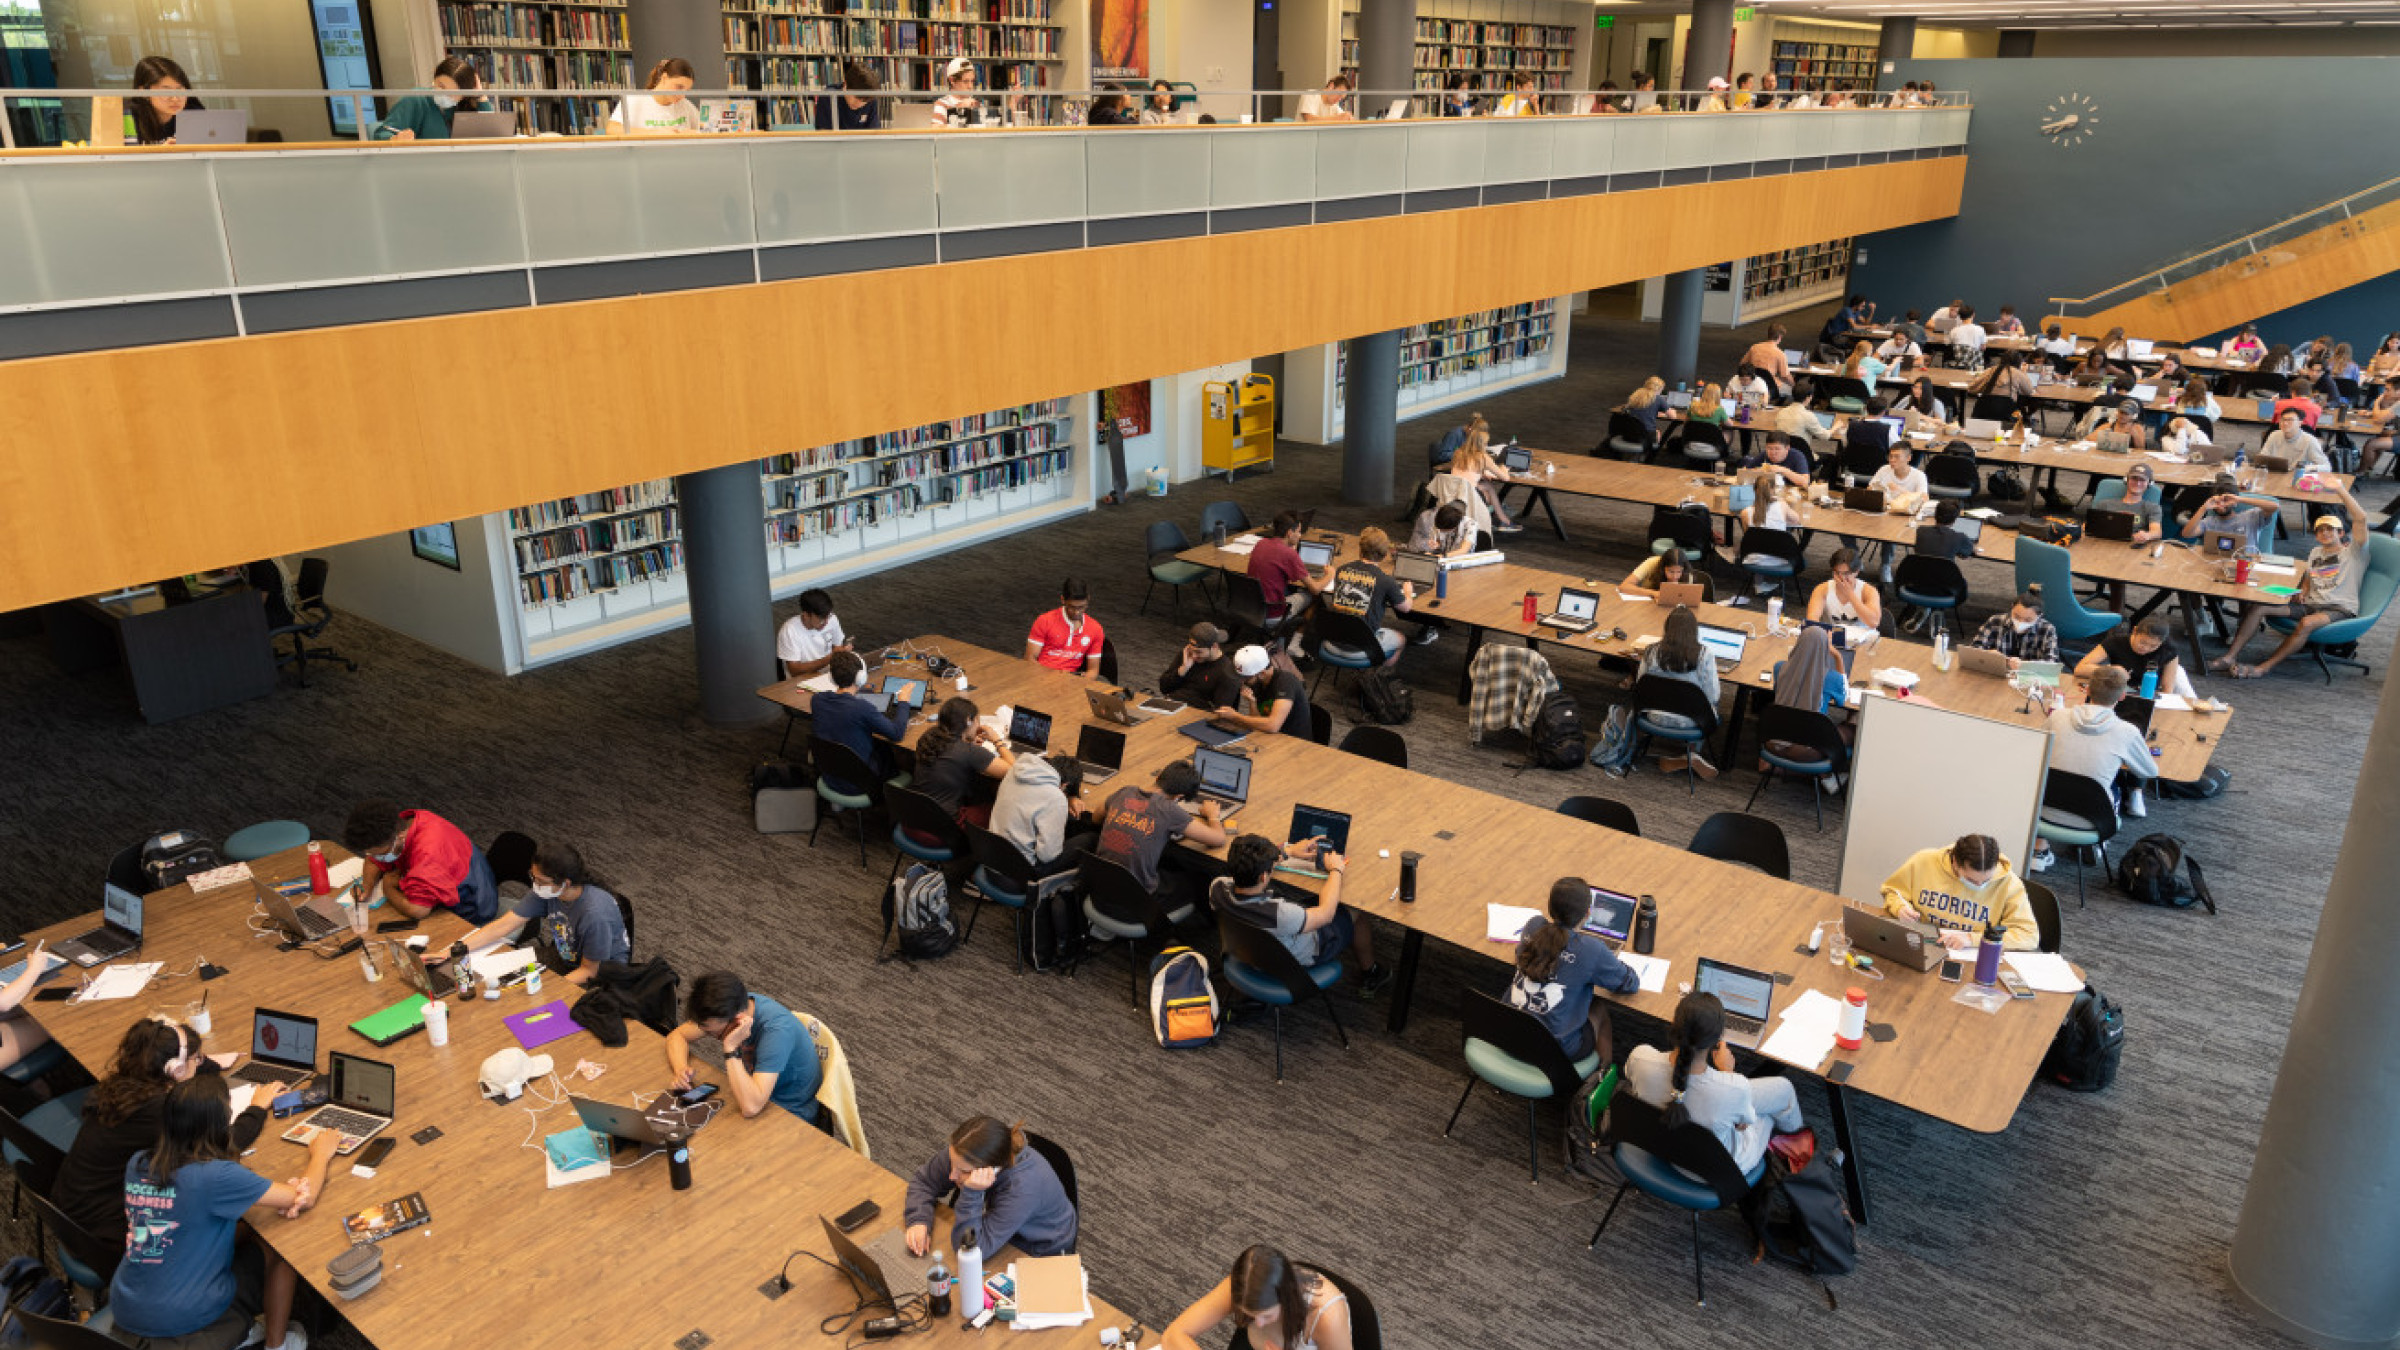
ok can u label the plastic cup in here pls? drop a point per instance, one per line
(198, 1018)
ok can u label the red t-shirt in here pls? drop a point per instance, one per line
(434, 858)
(1275, 565)
(1064, 646)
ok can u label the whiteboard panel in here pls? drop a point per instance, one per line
(1922, 776)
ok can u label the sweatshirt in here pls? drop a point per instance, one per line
(1928, 882)
(1026, 1204)
(2098, 744)
(1031, 810)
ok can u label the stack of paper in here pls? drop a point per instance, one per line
(120, 982)
(1052, 1291)
(1652, 969)
(1242, 544)
(819, 684)
(1506, 923)
(345, 872)
(2046, 972)
(1804, 1034)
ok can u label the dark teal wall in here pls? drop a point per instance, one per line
(2188, 154)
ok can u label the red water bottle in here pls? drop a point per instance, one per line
(1533, 606)
(320, 880)
(1851, 1032)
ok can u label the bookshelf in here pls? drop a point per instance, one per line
(1761, 287)
(1814, 65)
(545, 44)
(793, 47)
(1442, 363)
(1488, 51)
(594, 560)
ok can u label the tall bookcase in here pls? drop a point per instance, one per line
(1442, 364)
(1761, 287)
(1488, 51)
(545, 44)
(794, 47)
(1815, 65)
(596, 561)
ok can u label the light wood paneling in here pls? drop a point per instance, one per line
(126, 466)
(2278, 276)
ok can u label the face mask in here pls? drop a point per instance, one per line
(549, 892)
(445, 101)
(2021, 625)
(386, 859)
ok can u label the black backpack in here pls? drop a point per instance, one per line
(2083, 1056)
(2005, 485)
(1054, 935)
(28, 1284)
(2210, 783)
(917, 908)
(2147, 873)
(1381, 698)
(1805, 1221)
(176, 856)
(1557, 734)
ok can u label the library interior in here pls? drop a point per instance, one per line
(1359, 567)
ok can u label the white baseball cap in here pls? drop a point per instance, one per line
(1718, 82)
(1249, 661)
(507, 1072)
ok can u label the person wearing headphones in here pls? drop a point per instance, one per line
(846, 719)
(580, 921)
(428, 117)
(121, 1118)
(1006, 1192)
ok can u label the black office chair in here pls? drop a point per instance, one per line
(1366, 1327)
(1378, 743)
(1320, 724)
(87, 1261)
(1510, 1049)
(1664, 1163)
(1117, 907)
(1863, 450)
(1003, 877)
(1774, 555)
(2045, 914)
(1606, 811)
(1934, 586)
(1261, 968)
(1952, 476)
(1055, 1154)
(1338, 641)
(2072, 794)
(1992, 408)
(1730, 836)
(1627, 438)
(310, 617)
(1658, 694)
(1703, 444)
(1229, 514)
(1108, 656)
(125, 870)
(1805, 728)
(511, 857)
(1246, 605)
(1686, 530)
(845, 786)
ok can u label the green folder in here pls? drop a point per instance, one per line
(394, 1022)
(2281, 592)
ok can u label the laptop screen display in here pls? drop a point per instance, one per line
(1221, 773)
(121, 907)
(1315, 822)
(1577, 604)
(2136, 709)
(1970, 526)
(1744, 993)
(1417, 569)
(1315, 553)
(289, 1040)
(1516, 458)
(878, 699)
(1100, 747)
(1029, 727)
(362, 1084)
(1725, 644)
(1612, 914)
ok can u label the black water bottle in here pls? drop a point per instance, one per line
(1408, 877)
(1216, 534)
(1645, 925)
(679, 1165)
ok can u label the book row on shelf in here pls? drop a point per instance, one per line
(906, 74)
(562, 511)
(1796, 269)
(1047, 418)
(1493, 59)
(1533, 310)
(565, 69)
(1475, 33)
(951, 11)
(593, 576)
(534, 26)
(960, 447)
(805, 484)
(607, 534)
(789, 526)
(1497, 354)
(797, 35)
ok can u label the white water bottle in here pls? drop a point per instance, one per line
(1941, 650)
(970, 1276)
(437, 1022)
(533, 981)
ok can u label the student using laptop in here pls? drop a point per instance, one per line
(1201, 674)
(1659, 569)
(1678, 655)
(1006, 1192)
(807, 641)
(1314, 933)
(1558, 967)
(1275, 565)
(420, 862)
(1137, 824)
(847, 719)
(579, 920)
(1766, 357)
(2090, 739)
(1941, 537)
(1275, 1303)
(1811, 678)
(429, 117)
(185, 1282)
(956, 754)
(151, 120)
(121, 1118)
(1068, 638)
(1961, 889)
(2137, 651)
(2294, 443)
(662, 110)
(2021, 633)
(770, 1059)
(1039, 801)
(1278, 697)
(1846, 597)
(1693, 1080)
(1363, 590)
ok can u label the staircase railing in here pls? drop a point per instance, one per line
(2162, 279)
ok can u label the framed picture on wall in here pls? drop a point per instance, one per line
(1127, 405)
(436, 544)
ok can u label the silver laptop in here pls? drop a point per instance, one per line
(319, 918)
(1980, 429)
(1029, 731)
(203, 127)
(1983, 661)
(360, 1103)
(119, 933)
(884, 1270)
(1727, 645)
(1748, 996)
(482, 126)
(1316, 556)
(1224, 778)
(1575, 612)
(431, 981)
(1917, 946)
(1109, 706)
(1417, 569)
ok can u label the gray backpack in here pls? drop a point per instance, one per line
(919, 910)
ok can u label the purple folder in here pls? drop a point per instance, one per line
(537, 1027)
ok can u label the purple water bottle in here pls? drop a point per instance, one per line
(1987, 956)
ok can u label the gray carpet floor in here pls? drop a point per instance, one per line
(2093, 1220)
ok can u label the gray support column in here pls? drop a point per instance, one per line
(733, 618)
(691, 29)
(1679, 328)
(1387, 59)
(2016, 42)
(1709, 54)
(1897, 43)
(2319, 1236)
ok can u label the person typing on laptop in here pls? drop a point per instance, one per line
(1278, 697)
(1068, 638)
(2137, 650)
(2090, 739)
(1558, 967)
(1362, 589)
(1314, 933)
(1038, 803)
(1137, 824)
(956, 755)
(807, 641)
(2021, 634)
(429, 117)
(1006, 1192)
(1961, 890)
(1693, 1080)
(770, 1059)
(1201, 674)
(847, 719)
(121, 1117)
(580, 921)
(1275, 565)
(420, 862)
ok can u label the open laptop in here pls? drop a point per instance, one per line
(1867, 499)
(2143, 393)
(1109, 706)
(1316, 822)
(2135, 709)
(482, 126)
(1727, 645)
(360, 1102)
(119, 933)
(1917, 946)
(2208, 454)
(1971, 527)
(1028, 731)
(905, 689)
(1417, 569)
(1980, 429)
(1099, 752)
(201, 127)
(319, 918)
(632, 1126)
(1611, 919)
(2113, 443)
(283, 1049)
(1316, 555)
(1748, 996)
(1516, 458)
(878, 699)
(431, 981)
(2223, 545)
(1224, 778)
(883, 1268)
(1983, 661)
(1575, 612)
(2274, 464)
(1688, 593)
(2107, 522)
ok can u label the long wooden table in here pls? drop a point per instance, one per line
(2073, 397)
(623, 1260)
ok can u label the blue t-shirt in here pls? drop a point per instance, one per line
(1564, 1001)
(850, 721)
(592, 927)
(177, 1276)
(780, 1045)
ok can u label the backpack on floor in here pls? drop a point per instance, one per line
(2083, 1056)
(2211, 783)
(1183, 1003)
(919, 909)
(1557, 734)
(2005, 485)
(171, 858)
(1054, 933)
(2148, 870)
(782, 801)
(1587, 1139)
(1617, 739)
(1804, 1221)
(1381, 698)
(28, 1284)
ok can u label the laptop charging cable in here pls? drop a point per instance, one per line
(907, 1317)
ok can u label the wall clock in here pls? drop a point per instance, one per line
(2070, 120)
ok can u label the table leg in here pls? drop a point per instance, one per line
(1853, 1178)
(1732, 744)
(1466, 674)
(1404, 981)
(2188, 603)
(1541, 498)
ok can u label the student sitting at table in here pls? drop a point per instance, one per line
(1963, 889)
(1920, 402)
(770, 1059)
(1361, 589)
(959, 107)
(2125, 419)
(2092, 369)
(2289, 441)
(20, 1035)
(1944, 319)
(1068, 638)
(2330, 582)
(2277, 361)
(1846, 597)
(846, 719)
(663, 110)
(1313, 932)
(2251, 515)
(852, 110)
(2137, 650)
(2246, 345)
(2379, 414)
(2004, 376)
(1862, 365)
(1643, 406)
(420, 862)
(1275, 565)
(1802, 428)
(1747, 389)
(1325, 105)
(580, 920)
(151, 120)
(1899, 346)
(2299, 397)
(1278, 699)
(1782, 460)
(1661, 569)
(1558, 967)
(1137, 824)
(2021, 634)
(2181, 437)
(428, 117)
(1443, 530)
(1039, 801)
(2055, 344)
(1901, 482)
(2008, 324)
(2192, 396)
(121, 1118)
(1006, 1192)
(1475, 465)
(2384, 365)
(1966, 339)
(807, 641)
(185, 1281)
(2113, 346)
(1678, 656)
(956, 755)
(1709, 406)
(1694, 1081)
(1766, 510)
(1766, 358)
(1446, 449)
(1277, 1304)
(1811, 679)
(1201, 673)
(2090, 739)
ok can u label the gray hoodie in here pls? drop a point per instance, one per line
(1031, 810)
(2097, 743)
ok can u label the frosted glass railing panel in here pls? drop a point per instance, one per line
(1518, 151)
(618, 201)
(1146, 173)
(1851, 133)
(1361, 165)
(1641, 142)
(104, 229)
(988, 180)
(809, 189)
(1772, 137)
(1948, 127)
(301, 218)
(1445, 155)
(1256, 168)
(1584, 147)
(1694, 141)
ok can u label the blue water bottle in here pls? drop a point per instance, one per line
(1441, 582)
(2150, 683)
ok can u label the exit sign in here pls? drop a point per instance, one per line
(1744, 15)
(1604, 21)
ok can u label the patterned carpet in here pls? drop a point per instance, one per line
(2093, 1220)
